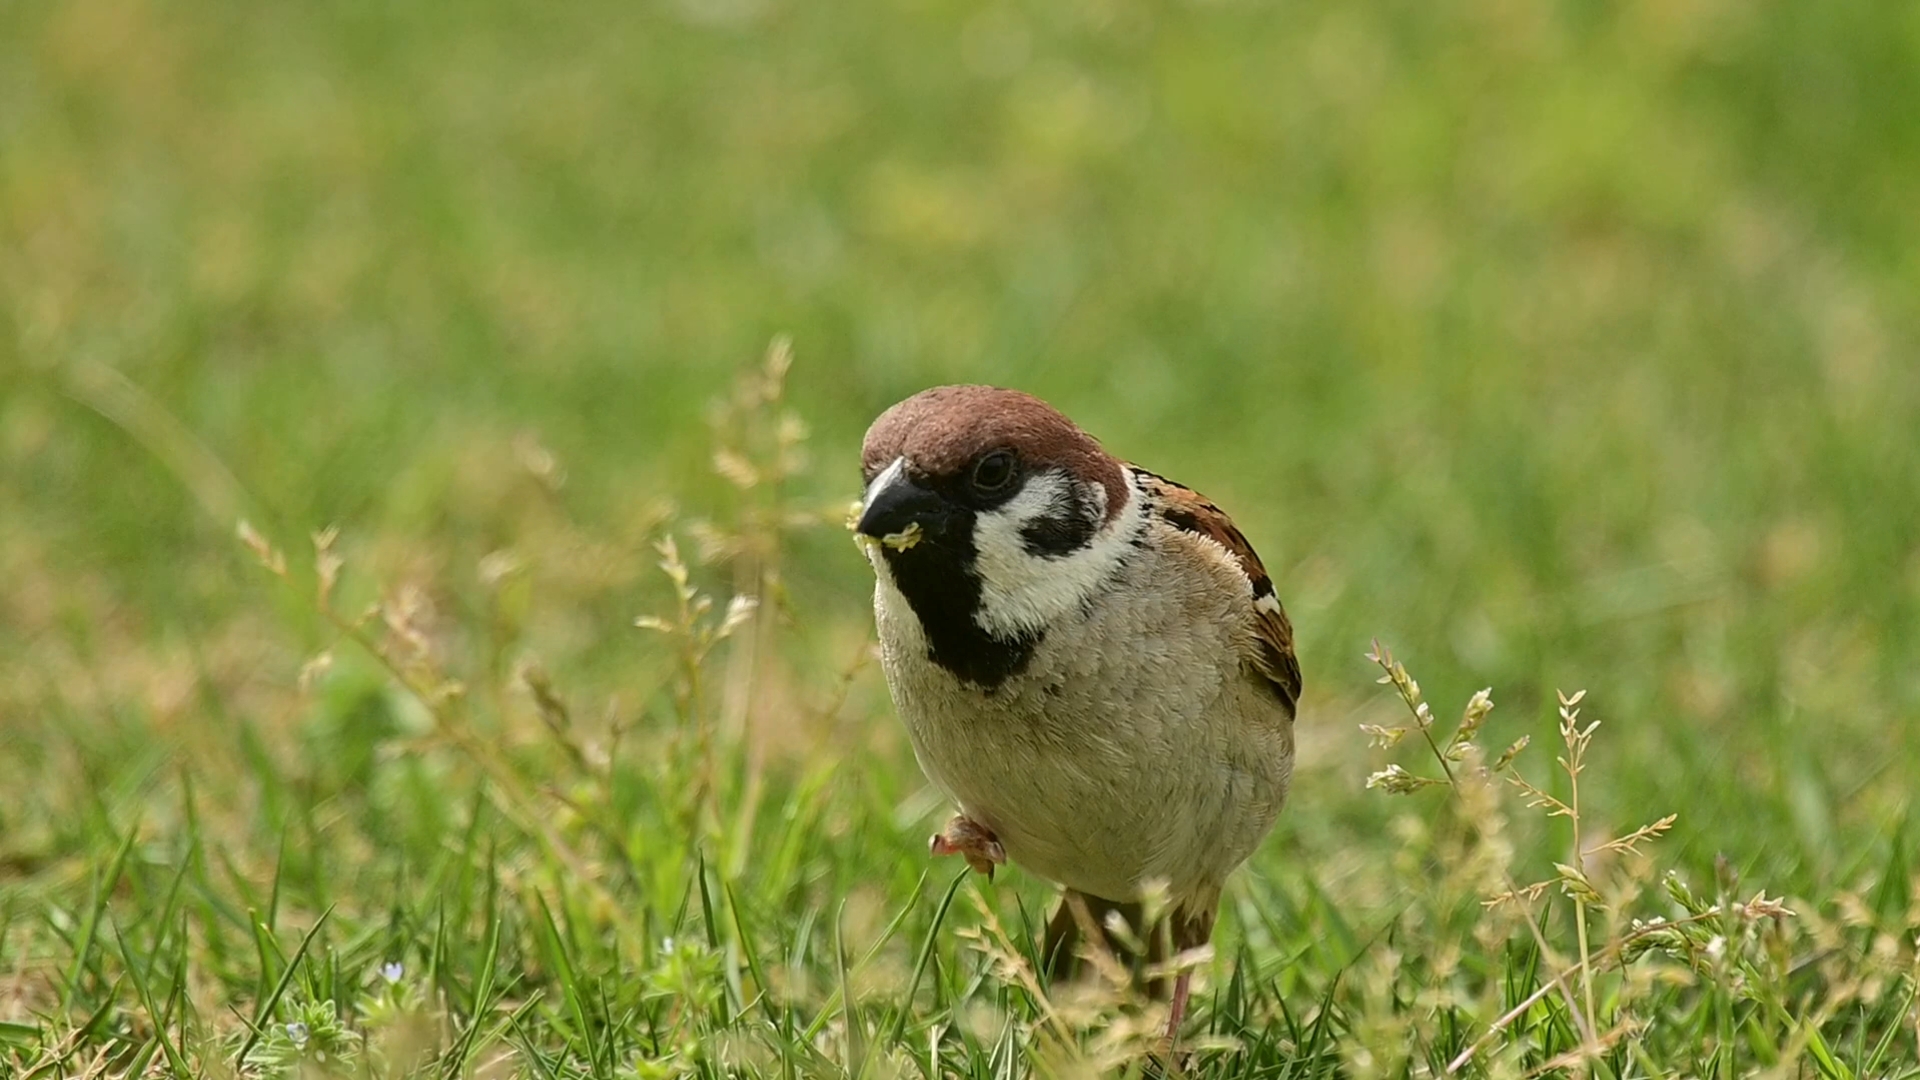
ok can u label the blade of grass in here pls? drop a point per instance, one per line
(175, 1059)
(1874, 1061)
(729, 1000)
(926, 952)
(752, 955)
(456, 1059)
(272, 1001)
(856, 1038)
(96, 908)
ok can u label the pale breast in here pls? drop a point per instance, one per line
(1134, 746)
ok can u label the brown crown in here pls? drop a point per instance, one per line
(943, 431)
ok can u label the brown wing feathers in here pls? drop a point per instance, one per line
(1189, 511)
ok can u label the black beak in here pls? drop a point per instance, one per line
(897, 502)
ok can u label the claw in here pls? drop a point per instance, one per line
(972, 841)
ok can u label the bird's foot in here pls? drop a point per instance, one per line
(972, 841)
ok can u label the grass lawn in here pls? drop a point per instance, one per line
(1558, 347)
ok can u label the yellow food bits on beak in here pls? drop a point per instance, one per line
(904, 539)
(898, 541)
(860, 540)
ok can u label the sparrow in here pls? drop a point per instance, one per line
(1089, 659)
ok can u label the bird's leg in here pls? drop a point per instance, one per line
(1190, 930)
(1178, 1010)
(972, 841)
(1079, 926)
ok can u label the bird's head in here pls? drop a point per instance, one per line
(990, 506)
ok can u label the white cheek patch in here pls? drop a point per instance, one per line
(1021, 592)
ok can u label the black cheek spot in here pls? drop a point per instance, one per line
(1066, 527)
(1056, 536)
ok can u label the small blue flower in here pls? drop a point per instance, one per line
(297, 1032)
(392, 971)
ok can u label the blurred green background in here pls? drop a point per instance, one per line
(1557, 344)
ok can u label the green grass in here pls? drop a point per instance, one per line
(1557, 346)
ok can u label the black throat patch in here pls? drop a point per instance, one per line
(943, 589)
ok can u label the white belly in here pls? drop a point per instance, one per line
(1101, 775)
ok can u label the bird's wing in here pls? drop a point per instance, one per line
(1272, 655)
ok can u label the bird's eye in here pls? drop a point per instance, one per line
(993, 473)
